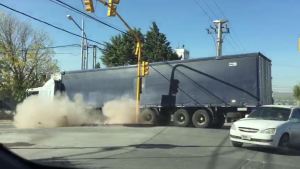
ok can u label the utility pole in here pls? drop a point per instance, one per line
(219, 28)
(94, 56)
(84, 42)
(82, 45)
(87, 54)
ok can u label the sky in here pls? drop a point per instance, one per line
(271, 27)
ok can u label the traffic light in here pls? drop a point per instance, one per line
(145, 68)
(174, 86)
(112, 8)
(89, 5)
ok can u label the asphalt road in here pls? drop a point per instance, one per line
(124, 147)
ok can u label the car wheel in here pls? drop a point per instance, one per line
(236, 144)
(284, 142)
(181, 118)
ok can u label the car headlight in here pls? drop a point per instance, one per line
(233, 127)
(269, 131)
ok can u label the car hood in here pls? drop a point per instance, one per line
(258, 123)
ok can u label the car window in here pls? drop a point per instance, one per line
(296, 114)
(271, 113)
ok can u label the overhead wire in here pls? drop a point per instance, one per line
(236, 41)
(203, 10)
(209, 8)
(49, 24)
(234, 45)
(219, 8)
(59, 46)
(65, 5)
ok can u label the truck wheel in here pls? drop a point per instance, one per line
(201, 119)
(181, 118)
(149, 116)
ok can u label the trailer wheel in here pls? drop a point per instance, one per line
(149, 116)
(201, 119)
(181, 118)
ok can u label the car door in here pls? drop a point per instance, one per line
(295, 127)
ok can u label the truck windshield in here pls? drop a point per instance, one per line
(271, 113)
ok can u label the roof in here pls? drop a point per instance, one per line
(176, 61)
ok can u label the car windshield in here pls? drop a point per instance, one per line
(271, 113)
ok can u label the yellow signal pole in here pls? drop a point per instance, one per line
(138, 53)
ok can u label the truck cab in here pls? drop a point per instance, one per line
(48, 90)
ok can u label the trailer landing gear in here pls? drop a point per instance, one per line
(218, 121)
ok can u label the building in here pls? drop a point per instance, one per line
(182, 53)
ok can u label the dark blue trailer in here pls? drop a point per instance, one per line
(200, 91)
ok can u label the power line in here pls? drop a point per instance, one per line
(236, 42)
(59, 53)
(220, 9)
(52, 47)
(60, 46)
(49, 24)
(210, 9)
(232, 46)
(203, 10)
(82, 3)
(65, 5)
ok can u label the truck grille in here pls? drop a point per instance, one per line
(248, 130)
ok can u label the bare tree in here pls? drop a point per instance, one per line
(25, 62)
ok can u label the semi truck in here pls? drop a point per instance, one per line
(202, 92)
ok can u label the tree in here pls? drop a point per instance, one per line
(120, 51)
(157, 47)
(296, 92)
(25, 62)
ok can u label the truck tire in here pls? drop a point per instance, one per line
(149, 116)
(202, 119)
(181, 118)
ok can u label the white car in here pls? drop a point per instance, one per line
(271, 125)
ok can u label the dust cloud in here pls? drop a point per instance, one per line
(119, 111)
(40, 112)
